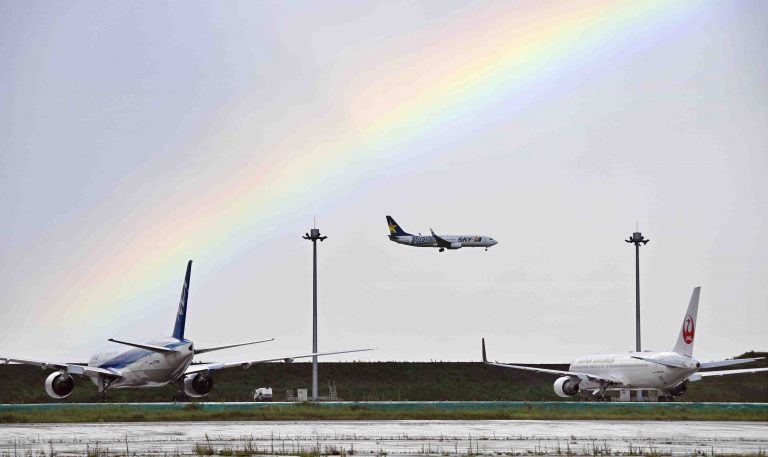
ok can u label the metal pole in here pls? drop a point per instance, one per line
(637, 239)
(313, 236)
(314, 319)
(638, 346)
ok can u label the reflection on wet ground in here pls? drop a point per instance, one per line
(438, 438)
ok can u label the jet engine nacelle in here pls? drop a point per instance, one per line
(678, 389)
(566, 387)
(59, 385)
(198, 385)
(455, 246)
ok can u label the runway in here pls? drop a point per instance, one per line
(394, 438)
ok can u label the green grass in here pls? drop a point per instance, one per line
(318, 412)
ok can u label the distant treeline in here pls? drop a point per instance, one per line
(369, 381)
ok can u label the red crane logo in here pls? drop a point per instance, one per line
(688, 329)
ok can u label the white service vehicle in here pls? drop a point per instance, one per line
(262, 394)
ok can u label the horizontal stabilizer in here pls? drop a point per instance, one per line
(203, 351)
(666, 363)
(725, 363)
(148, 347)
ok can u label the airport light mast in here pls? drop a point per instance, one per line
(313, 236)
(637, 239)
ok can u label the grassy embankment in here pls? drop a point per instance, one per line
(372, 381)
(305, 411)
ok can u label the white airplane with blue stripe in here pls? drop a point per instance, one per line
(443, 242)
(667, 373)
(151, 364)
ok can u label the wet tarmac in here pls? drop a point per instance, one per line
(437, 438)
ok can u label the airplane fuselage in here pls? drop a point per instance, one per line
(428, 241)
(634, 373)
(145, 368)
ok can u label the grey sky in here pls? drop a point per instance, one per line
(113, 117)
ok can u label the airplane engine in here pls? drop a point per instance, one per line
(455, 246)
(59, 385)
(678, 389)
(198, 385)
(566, 387)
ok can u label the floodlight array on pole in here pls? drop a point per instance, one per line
(313, 236)
(637, 239)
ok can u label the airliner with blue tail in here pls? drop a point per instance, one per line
(443, 242)
(151, 364)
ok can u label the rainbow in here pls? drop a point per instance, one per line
(490, 62)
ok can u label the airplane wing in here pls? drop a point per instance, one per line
(573, 374)
(706, 374)
(207, 367)
(71, 368)
(725, 363)
(442, 242)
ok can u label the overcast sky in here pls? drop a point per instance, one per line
(137, 135)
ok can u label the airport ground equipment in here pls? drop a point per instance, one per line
(262, 394)
(152, 364)
(666, 372)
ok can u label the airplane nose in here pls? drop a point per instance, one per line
(494, 243)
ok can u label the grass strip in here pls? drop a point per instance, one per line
(304, 412)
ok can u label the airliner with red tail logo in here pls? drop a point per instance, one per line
(667, 373)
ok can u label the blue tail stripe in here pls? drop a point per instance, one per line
(181, 315)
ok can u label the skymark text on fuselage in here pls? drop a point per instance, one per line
(443, 242)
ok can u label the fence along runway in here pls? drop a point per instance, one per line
(393, 438)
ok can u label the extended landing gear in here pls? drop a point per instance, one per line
(442, 249)
(181, 396)
(104, 384)
(664, 397)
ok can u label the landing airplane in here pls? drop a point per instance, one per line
(152, 364)
(666, 372)
(398, 235)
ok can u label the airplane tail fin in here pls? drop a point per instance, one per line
(181, 315)
(684, 342)
(394, 228)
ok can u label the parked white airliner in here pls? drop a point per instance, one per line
(666, 372)
(398, 235)
(151, 364)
